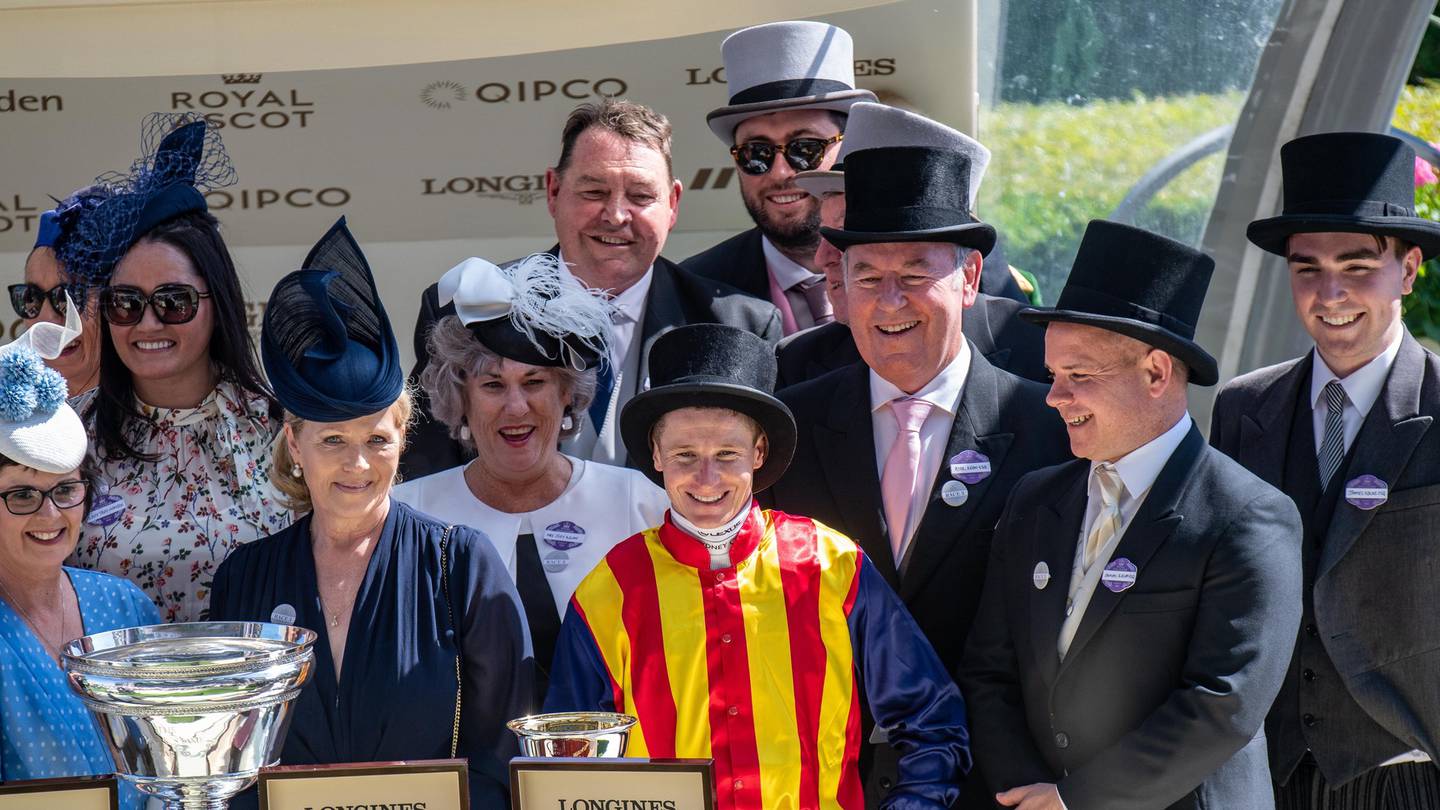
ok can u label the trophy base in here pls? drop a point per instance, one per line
(193, 792)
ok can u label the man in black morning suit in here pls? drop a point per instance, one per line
(1139, 600)
(922, 496)
(1357, 723)
(614, 201)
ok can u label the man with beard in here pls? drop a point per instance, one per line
(791, 85)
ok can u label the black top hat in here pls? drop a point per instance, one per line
(708, 365)
(1140, 284)
(1348, 182)
(909, 194)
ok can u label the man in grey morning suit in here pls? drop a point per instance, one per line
(1139, 601)
(1348, 432)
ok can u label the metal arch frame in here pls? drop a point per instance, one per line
(1306, 82)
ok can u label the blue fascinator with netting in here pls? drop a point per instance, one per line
(326, 341)
(37, 428)
(181, 159)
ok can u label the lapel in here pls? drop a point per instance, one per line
(1265, 437)
(975, 428)
(1057, 530)
(1383, 447)
(662, 313)
(845, 445)
(1153, 524)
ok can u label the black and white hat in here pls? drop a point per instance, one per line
(879, 126)
(785, 66)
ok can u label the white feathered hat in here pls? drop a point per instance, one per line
(37, 427)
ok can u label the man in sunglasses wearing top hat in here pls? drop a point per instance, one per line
(791, 84)
(991, 323)
(1139, 600)
(1348, 431)
(913, 451)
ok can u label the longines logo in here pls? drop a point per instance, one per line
(257, 199)
(13, 102)
(523, 189)
(240, 106)
(441, 95)
(884, 66)
(17, 215)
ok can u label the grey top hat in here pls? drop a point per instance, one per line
(785, 66)
(878, 126)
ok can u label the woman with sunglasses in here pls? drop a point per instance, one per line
(182, 419)
(47, 731)
(42, 297)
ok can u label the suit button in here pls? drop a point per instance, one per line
(1308, 675)
(1311, 630)
(739, 784)
(1309, 719)
(733, 710)
(886, 783)
(1062, 740)
(725, 638)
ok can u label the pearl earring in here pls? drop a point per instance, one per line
(296, 471)
(465, 433)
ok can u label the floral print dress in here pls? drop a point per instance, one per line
(166, 525)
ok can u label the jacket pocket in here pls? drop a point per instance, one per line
(1158, 601)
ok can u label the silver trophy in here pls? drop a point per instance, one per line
(573, 734)
(191, 712)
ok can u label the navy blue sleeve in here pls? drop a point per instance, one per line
(579, 680)
(910, 695)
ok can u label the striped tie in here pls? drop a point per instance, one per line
(1332, 448)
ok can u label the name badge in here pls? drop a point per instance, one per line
(1041, 575)
(563, 535)
(283, 614)
(1366, 492)
(954, 493)
(970, 466)
(106, 510)
(555, 561)
(1119, 575)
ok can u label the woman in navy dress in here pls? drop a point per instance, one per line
(423, 650)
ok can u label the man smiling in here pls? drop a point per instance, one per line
(1348, 432)
(913, 451)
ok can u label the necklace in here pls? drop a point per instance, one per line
(51, 648)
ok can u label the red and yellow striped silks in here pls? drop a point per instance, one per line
(751, 665)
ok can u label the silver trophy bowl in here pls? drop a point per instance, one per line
(191, 712)
(573, 734)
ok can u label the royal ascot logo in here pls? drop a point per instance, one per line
(19, 215)
(441, 95)
(14, 102)
(522, 189)
(258, 199)
(243, 105)
(884, 66)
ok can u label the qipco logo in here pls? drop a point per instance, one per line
(256, 199)
(443, 95)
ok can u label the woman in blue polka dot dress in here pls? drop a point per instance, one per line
(45, 731)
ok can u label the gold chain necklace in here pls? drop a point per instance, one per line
(51, 649)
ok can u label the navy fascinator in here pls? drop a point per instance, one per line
(326, 341)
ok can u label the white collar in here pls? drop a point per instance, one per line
(1139, 468)
(1363, 385)
(943, 390)
(630, 304)
(787, 271)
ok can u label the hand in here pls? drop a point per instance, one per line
(1040, 796)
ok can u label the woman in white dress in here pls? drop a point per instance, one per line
(510, 374)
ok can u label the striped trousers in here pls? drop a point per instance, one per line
(1407, 786)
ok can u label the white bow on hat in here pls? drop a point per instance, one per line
(51, 437)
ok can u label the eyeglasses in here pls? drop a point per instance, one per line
(28, 298)
(28, 500)
(803, 154)
(173, 303)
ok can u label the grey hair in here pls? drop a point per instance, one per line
(456, 354)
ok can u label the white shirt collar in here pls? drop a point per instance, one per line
(787, 272)
(1140, 467)
(1363, 385)
(943, 390)
(630, 304)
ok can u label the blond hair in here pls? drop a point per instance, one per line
(294, 492)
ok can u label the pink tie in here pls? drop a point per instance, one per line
(788, 326)
(902, 468)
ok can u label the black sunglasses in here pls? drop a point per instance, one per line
(803, 154)
(27, 299)
(173, 303)
(28, 500)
